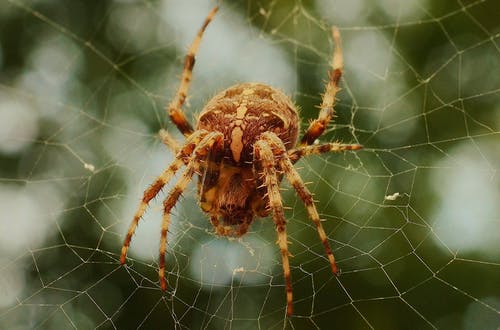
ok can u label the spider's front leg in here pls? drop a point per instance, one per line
(305, 195)
(184, 152)
(271, 143)
(169, 141)
(209, 142)
(264, 160)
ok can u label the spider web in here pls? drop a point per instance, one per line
(413, 219)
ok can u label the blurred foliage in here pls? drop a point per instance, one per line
(116, 91)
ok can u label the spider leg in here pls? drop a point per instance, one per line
(175, 107)
(263, 154)
(305, 195)
(242, 229)
(318, 126)
(219, 228)
(157, 185)
(169, 141)
(298, 153)
(200, 152)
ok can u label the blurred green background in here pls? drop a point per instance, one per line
(413, 219)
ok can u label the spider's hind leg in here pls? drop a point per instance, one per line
(318, 126)
(175, 107)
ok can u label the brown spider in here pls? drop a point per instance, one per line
(245, 141)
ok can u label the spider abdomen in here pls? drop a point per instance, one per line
(243, 112)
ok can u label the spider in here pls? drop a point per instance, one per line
(244, 143)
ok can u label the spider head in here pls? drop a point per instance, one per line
(235, 197)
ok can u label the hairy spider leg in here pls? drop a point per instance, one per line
(214, 220)
(175, 107)
(327, 111)
(158, 184)
(169, 141)
(299, 152)
(200, 153)
(305, 195)
(264, 155)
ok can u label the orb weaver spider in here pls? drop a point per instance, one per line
(244, 143)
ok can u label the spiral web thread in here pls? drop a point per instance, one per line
(412, 219)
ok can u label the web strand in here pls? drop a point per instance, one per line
(411, 218)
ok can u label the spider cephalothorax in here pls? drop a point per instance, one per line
(244, 143)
